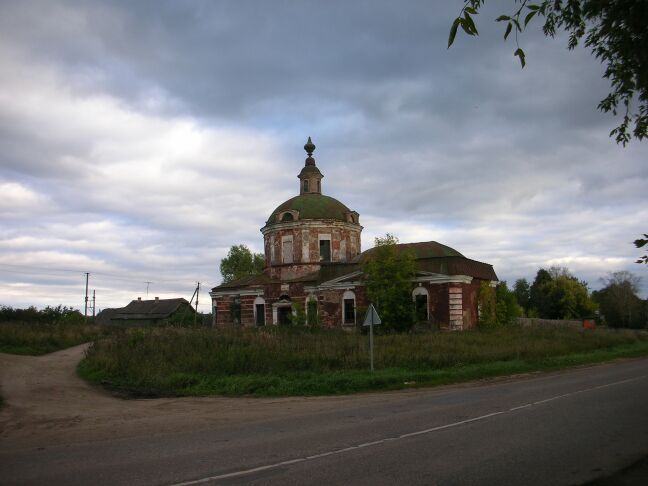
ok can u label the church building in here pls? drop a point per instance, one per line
(314, 259)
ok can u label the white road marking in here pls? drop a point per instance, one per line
(399, 437)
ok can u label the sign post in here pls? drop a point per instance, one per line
(371, 319)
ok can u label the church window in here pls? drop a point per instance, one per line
(259, 311)
(420, 297)
(287, 217)
(306, 186)
(318, 186)
(325, 250)
(349, 309)
(235, 310)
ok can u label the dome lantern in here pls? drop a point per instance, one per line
(310, 177)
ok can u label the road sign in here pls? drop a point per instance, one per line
(371, 317)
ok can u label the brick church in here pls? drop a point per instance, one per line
(314, 260)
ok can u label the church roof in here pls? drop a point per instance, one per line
(312, 206)
(423, 249)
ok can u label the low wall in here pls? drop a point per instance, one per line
(532, 321)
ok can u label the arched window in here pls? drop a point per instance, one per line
(348, 308)
(287, 217)
(306, 185)
(420, 298)
(259, 311)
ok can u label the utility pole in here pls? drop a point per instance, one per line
(94, 303)
(197, 294)
(147, 287)
(85, 312)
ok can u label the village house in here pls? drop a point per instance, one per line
(147, 312)
(314, 260)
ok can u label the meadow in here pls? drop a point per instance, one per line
(279, 361)
(36, 338)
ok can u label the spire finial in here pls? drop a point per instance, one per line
(309, 147)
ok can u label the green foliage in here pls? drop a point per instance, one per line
(640, 243)
(41, 338)
(49, 315)
(507, 309)
(616, 32)
(303, 361)
(556, 294)
(312, 317)
(240, 262)
(388, 277)
(522, 292)
(298, 316)
(619, 304)
(487, 306)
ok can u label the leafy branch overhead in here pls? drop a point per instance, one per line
(616, 32)
(640, 243)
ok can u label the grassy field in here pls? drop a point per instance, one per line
(36, 339)
(275, 361)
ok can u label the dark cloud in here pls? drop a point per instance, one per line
(168, 131)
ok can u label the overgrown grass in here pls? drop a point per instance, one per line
(275, 361)
(42, 338)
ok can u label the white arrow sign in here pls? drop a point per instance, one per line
(371, 317)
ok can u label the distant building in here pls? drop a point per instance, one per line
(313, 258)
(147, 312)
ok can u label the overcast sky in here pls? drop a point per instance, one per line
(140, 140)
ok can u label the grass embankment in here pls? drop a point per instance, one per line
(40, 338)
(274, 361)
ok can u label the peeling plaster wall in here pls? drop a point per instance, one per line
(305, 236)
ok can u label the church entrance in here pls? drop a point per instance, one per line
(283, 315)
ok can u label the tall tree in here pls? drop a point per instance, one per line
(521, 290)
(616, 32)
(388, 274)
(557, 294)
(619, 304)
(240, 262)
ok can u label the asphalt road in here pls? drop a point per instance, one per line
(567, 428)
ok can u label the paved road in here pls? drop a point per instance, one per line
(561, 428)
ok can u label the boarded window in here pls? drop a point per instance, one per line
(260, 314)
(287, 251)
(349, 311)
(325, 250)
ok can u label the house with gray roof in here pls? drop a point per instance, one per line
(148, 312)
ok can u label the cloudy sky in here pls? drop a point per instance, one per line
(140, 140)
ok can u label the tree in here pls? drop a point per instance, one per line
(521, 290)
(618, 300)
(507, 308)
(487, 306)
(616, 32)
(388, 273)
(239, 262)
(557, 294)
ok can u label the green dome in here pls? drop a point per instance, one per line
(312, 206)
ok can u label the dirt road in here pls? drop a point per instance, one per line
(46, 402)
